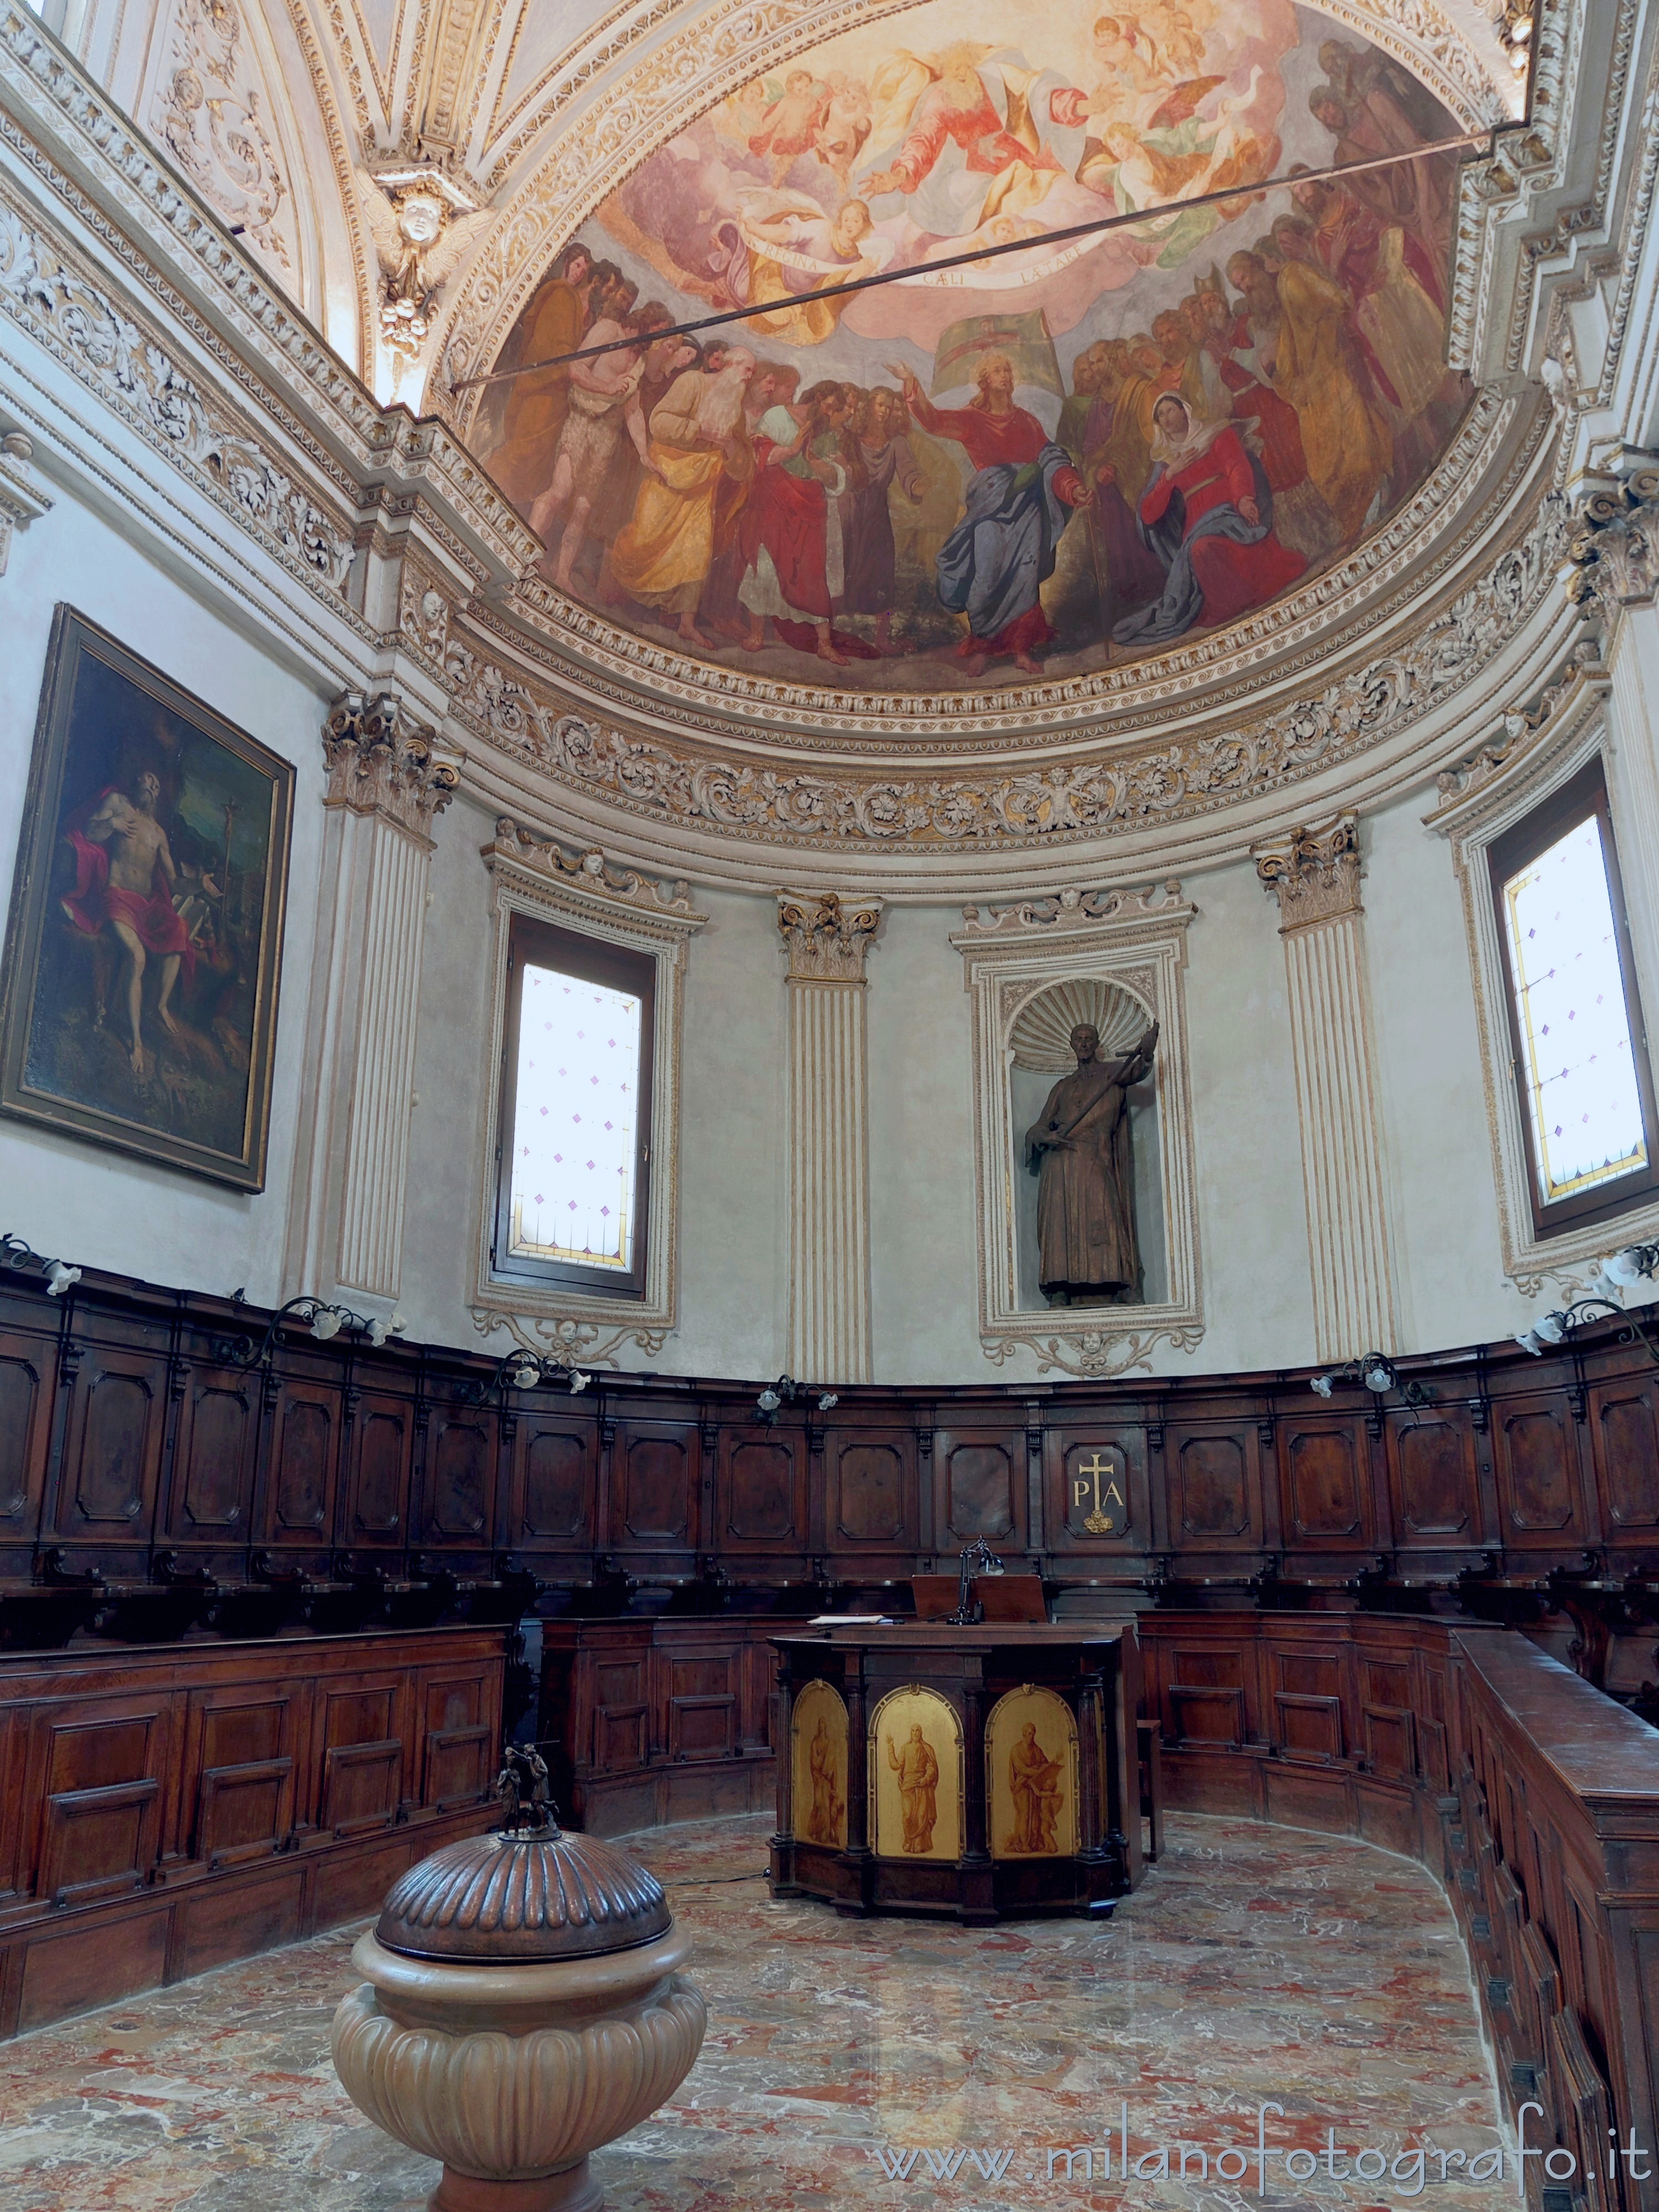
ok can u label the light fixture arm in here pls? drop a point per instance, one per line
(977, 1558)
(16, 1252)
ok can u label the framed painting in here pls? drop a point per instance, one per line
(138, 990)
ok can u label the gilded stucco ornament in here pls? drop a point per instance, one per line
(569, 1344)
(1613, 544)
(1164, 780)
(380, 760)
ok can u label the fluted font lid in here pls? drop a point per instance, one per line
(528, 1893)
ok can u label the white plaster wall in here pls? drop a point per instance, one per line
(731, 1072)
(1252, 1218)
(1450, 1285)
(923, 1256)
(1252, 1222)
(72, 1199)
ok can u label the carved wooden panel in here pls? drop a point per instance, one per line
(553, 1484)
(700, 1704)
(1537, 1464)
(303, 1458)
(621, 1712)
(872, 1499)
(243, 1775)
(101, 1797)
(763, 1490)
(1324, 1483)
(23, 1427)
(1205, 1695)
(655, 1470)
(458, 1751)
(114, 1452)
(1210, 1488)
(218, 1433)
(1307, 1704)
(377, 1496)
(1435, 1493)
(460, 1475)
(362, 1756)
(981, 1489)
(1095, 1489)
(1627, 1443)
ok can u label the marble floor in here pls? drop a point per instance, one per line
(850, 2065)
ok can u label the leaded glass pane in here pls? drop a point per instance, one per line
(1575, 1033)
(575, 1121)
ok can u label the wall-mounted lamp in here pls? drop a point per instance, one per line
(1379, 1375)
(520, 1370)
(14, 1253)
(1634, 1264)
(784, 1392)
(323, 1319)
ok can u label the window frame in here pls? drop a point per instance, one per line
(1584, 795)
(535, 941)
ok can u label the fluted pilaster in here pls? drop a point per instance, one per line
(386, 786)
(829, 1137)
(1315, 876)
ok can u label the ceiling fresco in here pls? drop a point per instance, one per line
(1028, 455)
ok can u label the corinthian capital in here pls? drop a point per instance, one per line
(1614, 544)
(1315, 871)
(825, 938)
(380, 760)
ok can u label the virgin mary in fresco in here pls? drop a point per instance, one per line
(1005, 450)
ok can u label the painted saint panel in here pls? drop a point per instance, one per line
(818, 1750)
(1032, 452)
(1031, 1773)
(915, 1777)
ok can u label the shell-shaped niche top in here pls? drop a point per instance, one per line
(1042, 1032)
(527, 1893)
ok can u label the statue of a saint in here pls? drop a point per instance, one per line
(1079, 1146)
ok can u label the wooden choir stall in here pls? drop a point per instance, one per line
(967, 1772)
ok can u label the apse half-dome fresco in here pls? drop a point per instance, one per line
(1028, 453)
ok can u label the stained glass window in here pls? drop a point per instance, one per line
(1578, 1051)
(575, 1121)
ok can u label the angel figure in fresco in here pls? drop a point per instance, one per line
(944, 100)
(917, 1769)
(824, 1821)
(1034, 1781)
(791, 123)
(794, 247)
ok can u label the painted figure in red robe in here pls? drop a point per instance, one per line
(1206, 512)
(993, 566)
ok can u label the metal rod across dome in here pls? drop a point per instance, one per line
(985, 253)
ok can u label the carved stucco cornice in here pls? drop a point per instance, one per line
(1171, 777)
(590, 874)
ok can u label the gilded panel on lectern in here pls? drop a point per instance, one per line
(818, 1757)
(1031, 1776)
(915, 1777)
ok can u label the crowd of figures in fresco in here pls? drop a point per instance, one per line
(1240, 426)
